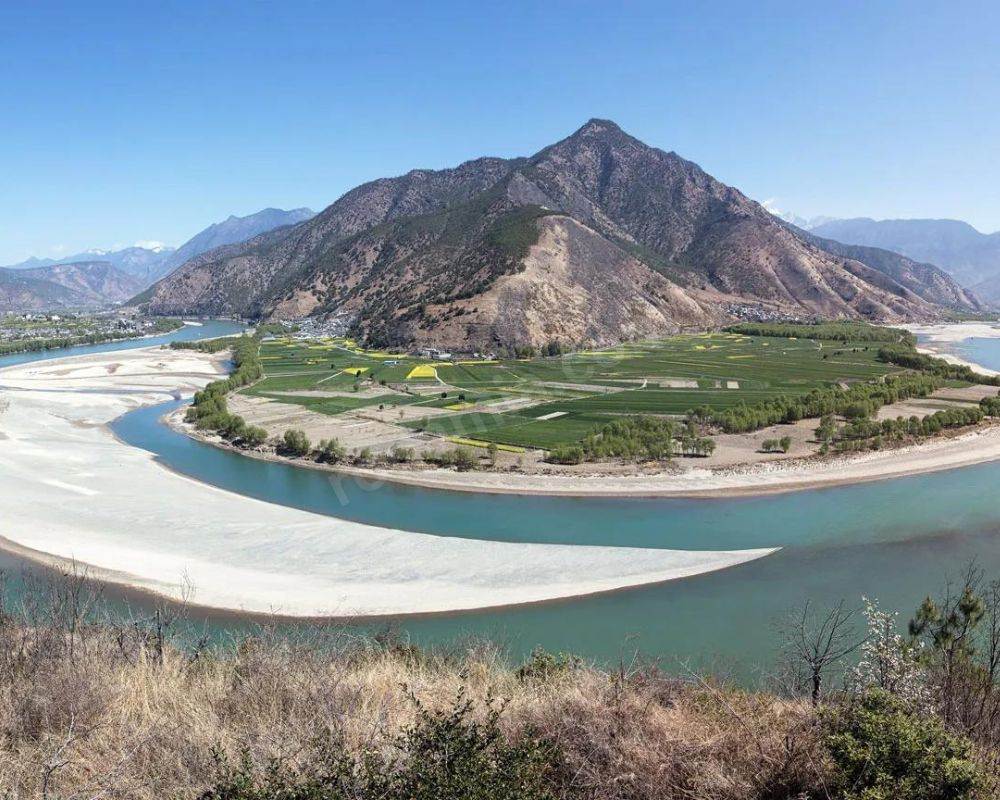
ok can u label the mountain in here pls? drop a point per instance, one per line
(84, 285)
(805, 223)
(146, 265)
(142, 263)
(594, 239)
(20, 293)
(235, 230)
(926, 280)
(966, 254)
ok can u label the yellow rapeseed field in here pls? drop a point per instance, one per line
(422, 371)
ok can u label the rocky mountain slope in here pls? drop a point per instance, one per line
(963, 252)
(232, 231)
(89, 284)
(594, 239)
(926, 280)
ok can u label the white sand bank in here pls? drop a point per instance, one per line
(956, 331)
(70, 490)
(940, 341)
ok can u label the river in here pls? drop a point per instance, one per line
(895, 540)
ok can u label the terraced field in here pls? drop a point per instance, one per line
(559, 399)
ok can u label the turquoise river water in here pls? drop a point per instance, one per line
(896, 540)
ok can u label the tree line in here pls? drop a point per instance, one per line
(637, 438)
(911, 359)
(60, 342)
(870, 434)
(833, 331)
(209, 411)
(859, 400)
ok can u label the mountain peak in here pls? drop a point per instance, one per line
(631, 241)
(595, 127)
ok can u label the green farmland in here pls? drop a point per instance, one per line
(549, 402)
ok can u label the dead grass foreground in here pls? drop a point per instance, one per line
(116, 710)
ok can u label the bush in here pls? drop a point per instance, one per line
(463, 459)
(445, 755)
(566, 455)
(331, 451)
(543, 666)
(402, 455)
(881, 751)
(254, 436)
(296, 443)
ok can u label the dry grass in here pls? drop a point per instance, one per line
(114, 710)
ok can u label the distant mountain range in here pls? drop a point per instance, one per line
(234, 230)
(145, 264)
(97, 278)
(971, 257)
(594, 239)
(85, 284)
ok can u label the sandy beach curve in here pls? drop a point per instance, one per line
(72, 491)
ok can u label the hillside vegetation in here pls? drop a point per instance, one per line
(105, 706)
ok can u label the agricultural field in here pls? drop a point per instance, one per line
(550, 402)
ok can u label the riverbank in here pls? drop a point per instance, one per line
(45, 344)
(75, 494)
(767, 474)
(942, 341)
(740, 464)
(942, 453)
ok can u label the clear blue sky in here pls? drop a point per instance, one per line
(122, 123)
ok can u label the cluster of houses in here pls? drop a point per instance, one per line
(53, 326)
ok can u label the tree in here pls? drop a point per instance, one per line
(961, 637)
(815, 641)
(402, 455)
(296, 442)
(233, 427)
(254, 436)
(331, 451)
(463, 459)
(491, 450)
(827, 428)
(785, 443)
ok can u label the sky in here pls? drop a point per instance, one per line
(141, 121)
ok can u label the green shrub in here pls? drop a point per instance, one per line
(331, 451)
(571, 454)
(463, 459)
(445, 755)
(542, 666)
(254, 436)
(881, 751)
(296, 443)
